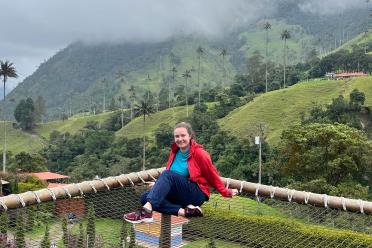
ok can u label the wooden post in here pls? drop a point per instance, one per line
(165, 231)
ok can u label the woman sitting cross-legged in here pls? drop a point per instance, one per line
(184, 186)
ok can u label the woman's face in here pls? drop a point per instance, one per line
(182, 138)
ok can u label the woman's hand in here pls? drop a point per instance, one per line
(234, 192)
(149, 185)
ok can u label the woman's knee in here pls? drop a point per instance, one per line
(168, 174)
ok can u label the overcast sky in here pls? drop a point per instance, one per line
(34, 30)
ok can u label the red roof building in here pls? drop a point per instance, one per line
(350, 74)
(63, 207)
(53, 179)
(46, 176)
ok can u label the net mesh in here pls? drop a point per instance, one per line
(95, 220)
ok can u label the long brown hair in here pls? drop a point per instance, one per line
(188, 127)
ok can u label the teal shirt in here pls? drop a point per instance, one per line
(179, 164)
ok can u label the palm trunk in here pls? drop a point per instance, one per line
(285, 58)
(199, 83)
(104, 102)
(365, 42)
(267, 41)
(187, 101)
(70, 108)
(223, 74)
(169, 94)
(122, 113)
(174, 102)
(131, 110)
(172, 96)
(4, 147)
(144, 143)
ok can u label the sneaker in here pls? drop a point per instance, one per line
(193, 211)
(143, 215)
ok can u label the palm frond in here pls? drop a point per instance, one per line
(7, 70)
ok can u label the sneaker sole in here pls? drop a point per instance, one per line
(196, 207)
(146, 220)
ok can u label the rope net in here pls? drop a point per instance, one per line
(95, 220)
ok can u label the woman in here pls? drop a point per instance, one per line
(184, 185)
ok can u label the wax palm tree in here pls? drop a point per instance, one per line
(187, 75)
(200, 51)
(366, 29)
(132, 97)
(104, 82)
(171, 60)
(174, 71)
(285, 35)
(223, 54)
(267, 26)
(69, 114)
(121, 99)
(365, 41)
(144, 109)
(7, 70)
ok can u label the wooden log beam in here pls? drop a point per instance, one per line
(283, 194)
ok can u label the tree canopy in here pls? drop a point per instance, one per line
(336, 153)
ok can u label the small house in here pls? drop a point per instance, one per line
(65, 207)
(53, 179)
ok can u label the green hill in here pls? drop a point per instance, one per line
(73, 77)
(134, 129)
(360, 40)
(18, 141)
(281, 108)
(278, 109)
(71, 125)
(299, 45)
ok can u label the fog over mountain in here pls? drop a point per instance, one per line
(322, 7)
(37, 29)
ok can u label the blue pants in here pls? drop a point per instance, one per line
(172, 192)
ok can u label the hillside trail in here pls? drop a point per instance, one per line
(35, 136)
(345, 86)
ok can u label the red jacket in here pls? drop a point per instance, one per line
(201, 169)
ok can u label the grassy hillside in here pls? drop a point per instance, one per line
(172, 116)
(72, 125)
(359, 40)
(278, 109)
(363, 84)
(73, 77)
(281, 108)
(134, 129)
(298, 45)
(18, 141)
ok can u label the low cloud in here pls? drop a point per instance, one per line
(322, 7)
(50, 23)
(34, 30)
